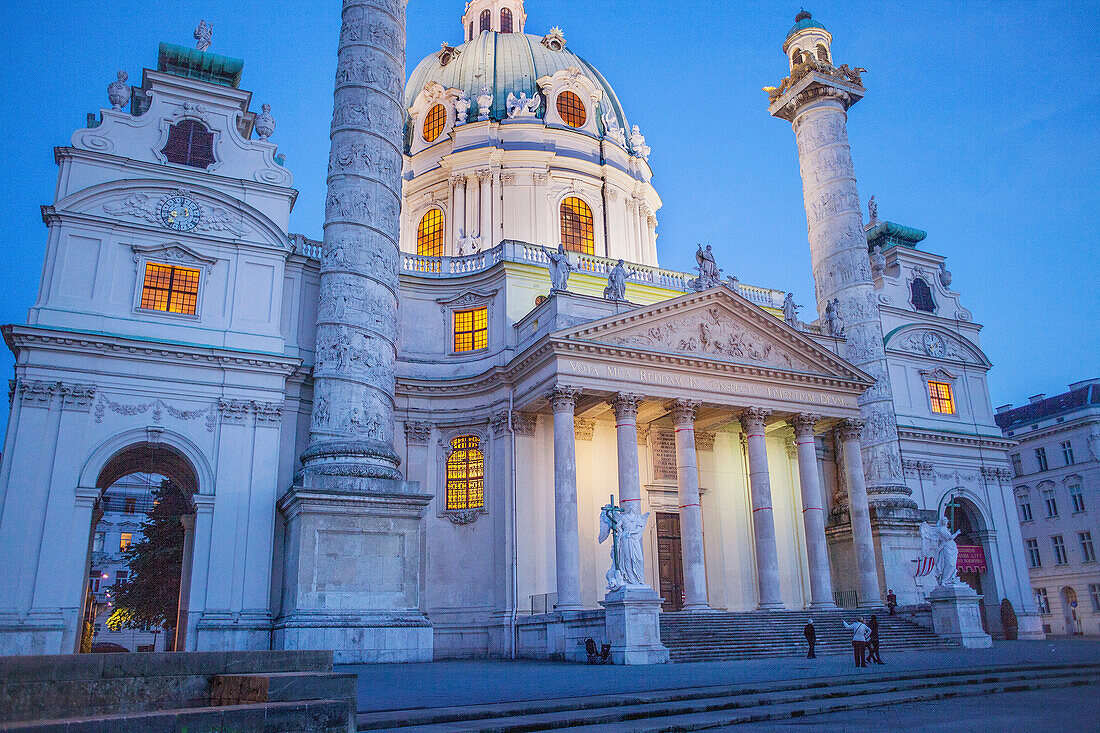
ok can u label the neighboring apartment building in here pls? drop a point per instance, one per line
(1057, 485)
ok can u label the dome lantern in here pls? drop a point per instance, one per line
(498, 16)
(808, 39)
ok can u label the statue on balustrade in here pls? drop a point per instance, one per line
(790, 311)
(616, 282)
(467, 244)
(559, 268)
(709, 272)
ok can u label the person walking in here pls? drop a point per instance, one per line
(811, 638)
(873, 644)
(891, 601)
(861, 632)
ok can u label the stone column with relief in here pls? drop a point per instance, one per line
(353, 526)
(864, 541)
(632, 618)
(815, 99)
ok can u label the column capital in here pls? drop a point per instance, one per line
(625, 405)
(683, 412)
(804, 424)
(753, 419)
(484, 174)
(851, 429)
(562, 398)
(458, 179)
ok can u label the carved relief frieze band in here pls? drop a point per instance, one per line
(77, 397)
(156, 408)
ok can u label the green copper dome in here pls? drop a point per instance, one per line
(508, 63)
(802, 21)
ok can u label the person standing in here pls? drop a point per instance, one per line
(873, 643)
(811, 638)
(861, 632)
(891, 601)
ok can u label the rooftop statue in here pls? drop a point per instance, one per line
(872, 211)
(709, 272)
(616, 282)
(462, 108)
(945, 275)
(559, 268)
(521, 107)
(467, 244)
(833, 324)
(637, 141)
(204, 35)
(790, 311)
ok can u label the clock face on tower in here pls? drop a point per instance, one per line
(179, 212)
(933, 345)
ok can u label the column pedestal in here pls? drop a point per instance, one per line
(956, 615)
(632, 623)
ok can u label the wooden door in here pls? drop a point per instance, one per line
(669, 562)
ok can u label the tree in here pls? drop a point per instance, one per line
(149, 597)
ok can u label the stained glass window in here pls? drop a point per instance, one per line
(576, 226)
(191, 144)
(429, 235)
(571, 109)
(465, 474)
(435, 122)
(506, 21)
(942, 400)
(471, 329)
(170, 289)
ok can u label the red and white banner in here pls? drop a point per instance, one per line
(924, 566)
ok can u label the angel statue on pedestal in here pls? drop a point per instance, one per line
(626, 528)
(938, 546)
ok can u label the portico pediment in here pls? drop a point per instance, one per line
(716, 324)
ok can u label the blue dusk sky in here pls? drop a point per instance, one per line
(980, 126)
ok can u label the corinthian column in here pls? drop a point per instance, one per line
(485, 227)
(816, 104)
(813, 515)
(763, 523)
(626, 434)
(691, 513)
(862, 538)
(563, 400)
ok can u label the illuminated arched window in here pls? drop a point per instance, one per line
(576, 226)
(429, 235)
(434, 123)
(921, 296)
(465, 474)
(486, 20)
(506, 21)
(571, 109)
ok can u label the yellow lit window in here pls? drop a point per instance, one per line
(943, 401)
(571, 109)
(576, 226)
(465, 474)
(429, 235)
(471, 329)
(170, 289)
(435, 122)
(125, 541)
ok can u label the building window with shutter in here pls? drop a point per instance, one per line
(189, 143)
(465, 474)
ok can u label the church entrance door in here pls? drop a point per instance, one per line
(669, 562)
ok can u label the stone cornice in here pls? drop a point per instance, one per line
(18, 337)
(938, 437)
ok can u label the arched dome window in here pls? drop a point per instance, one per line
(486, 20)
(822, 53)
(429, 235)
(571, 109)
(576, 226)
(505, 21)
(921, 296)
(434, 123)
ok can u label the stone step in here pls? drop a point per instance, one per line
(619, 709)
(320, 716)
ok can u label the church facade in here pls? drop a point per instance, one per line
(783, 465)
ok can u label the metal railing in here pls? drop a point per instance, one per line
(846, 598)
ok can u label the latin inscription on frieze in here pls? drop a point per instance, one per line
(663, 444)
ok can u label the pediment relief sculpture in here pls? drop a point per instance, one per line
(714, 333)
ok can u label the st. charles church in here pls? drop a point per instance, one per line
(405, 457)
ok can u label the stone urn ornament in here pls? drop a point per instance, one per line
(119, 92)
(265, 123)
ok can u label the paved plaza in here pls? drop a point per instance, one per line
(478, 682)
